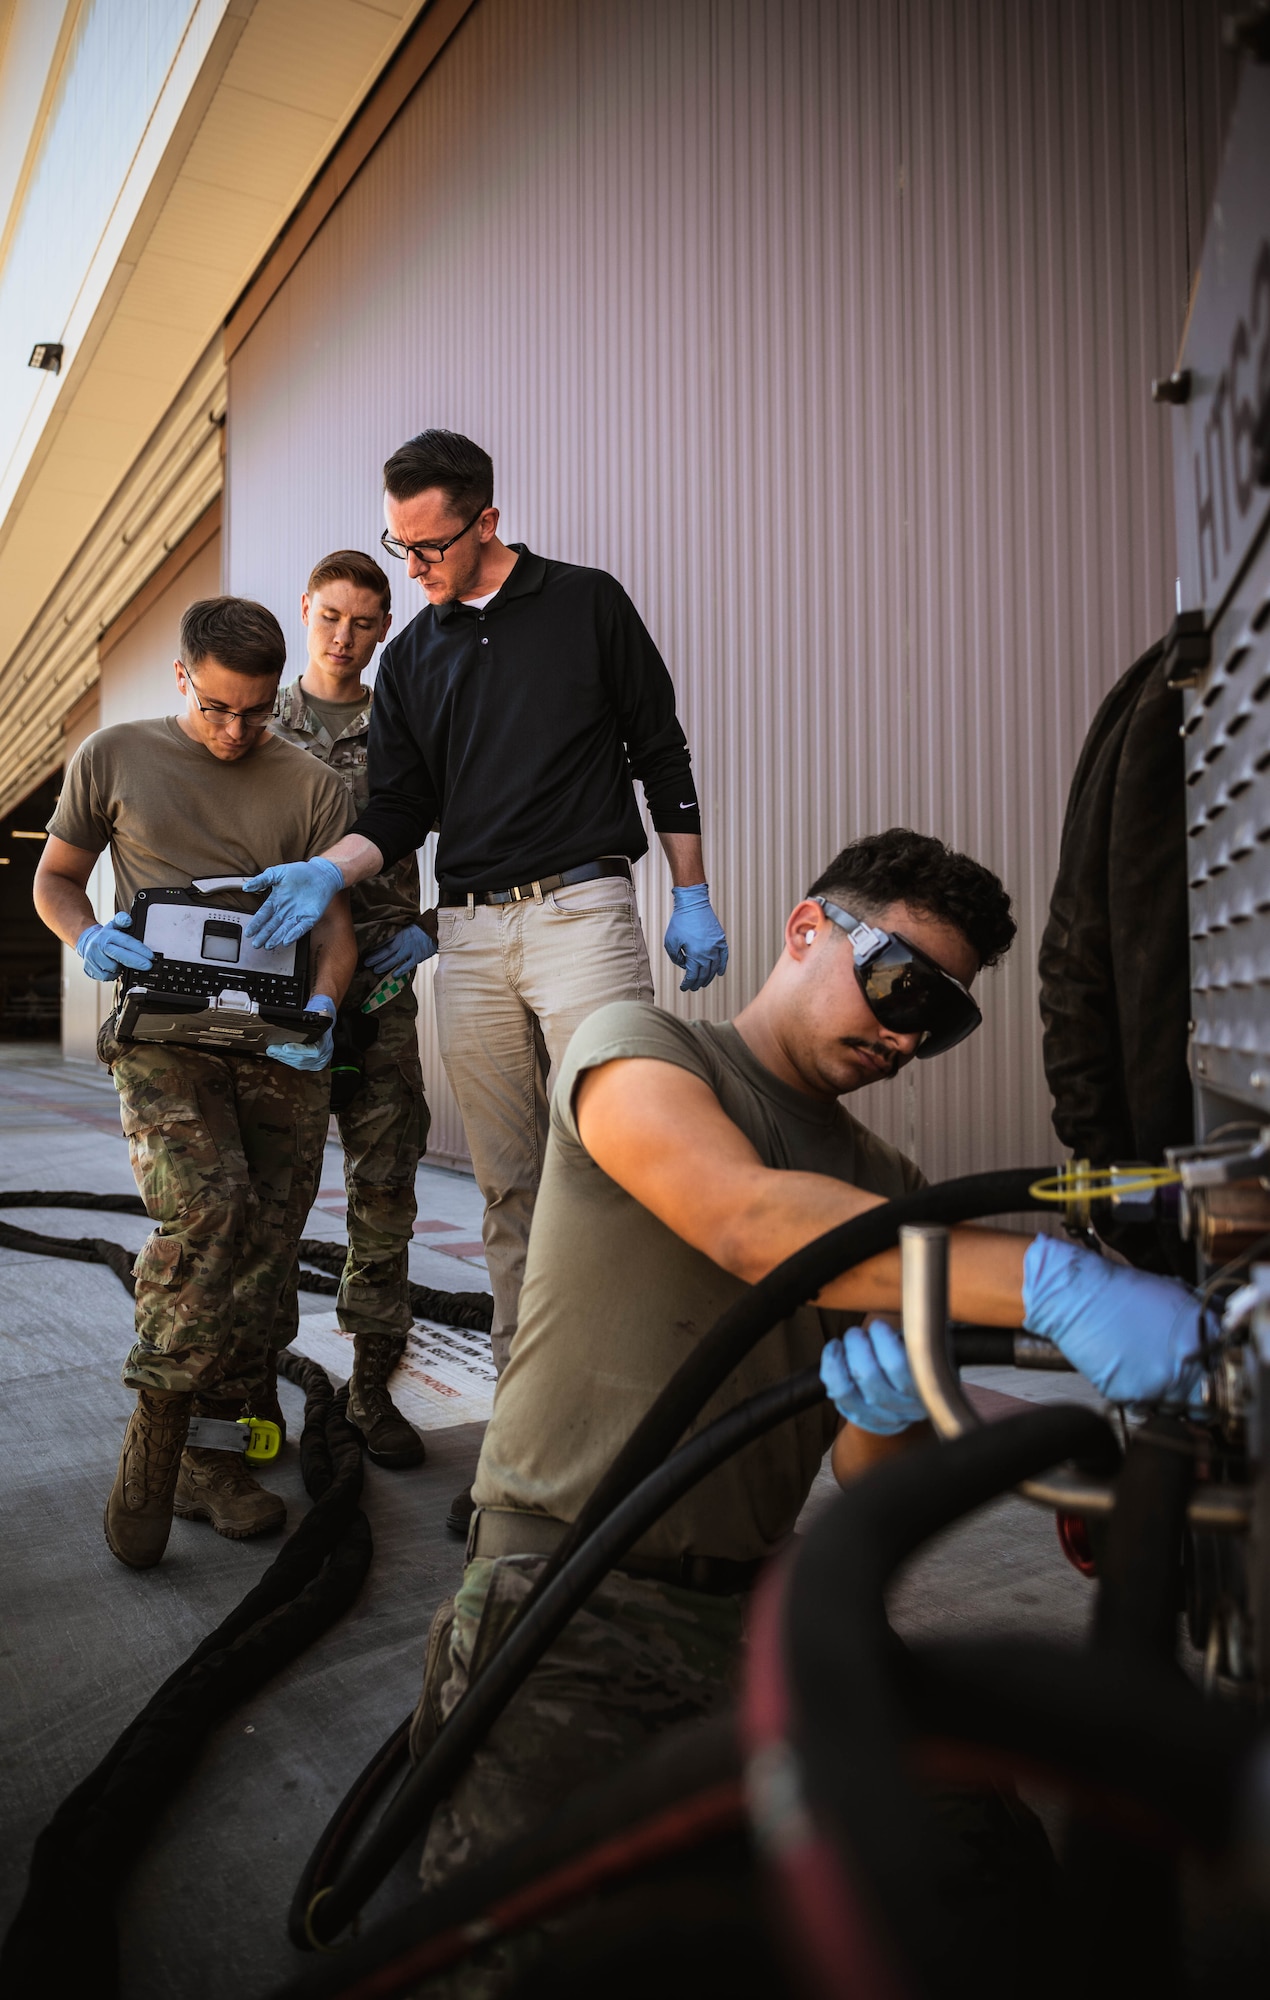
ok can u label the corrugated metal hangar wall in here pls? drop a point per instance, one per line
(828, 326)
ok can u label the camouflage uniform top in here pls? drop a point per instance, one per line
(386, 903)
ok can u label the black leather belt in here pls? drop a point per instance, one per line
(533, 892)
(505, 1531)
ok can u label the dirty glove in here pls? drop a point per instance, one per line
(299, 892)
(867, 1376)
(107, 950)
(308, 1055)
(694, 938)
(1137, 1337)
(402, 954)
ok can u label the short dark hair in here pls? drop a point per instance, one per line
(900, 866)
(352, 566)
(236, 632)
(446, 459)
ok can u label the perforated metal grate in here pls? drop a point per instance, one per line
(1227, 732)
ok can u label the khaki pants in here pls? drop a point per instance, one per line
(513, 982)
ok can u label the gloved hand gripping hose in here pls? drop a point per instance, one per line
(318, 1917)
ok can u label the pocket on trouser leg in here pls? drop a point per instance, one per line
(158, 1273)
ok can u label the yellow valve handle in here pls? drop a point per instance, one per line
(264, 1440)
(1083, 1183)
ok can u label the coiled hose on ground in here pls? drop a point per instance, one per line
(474, 1310)
(63, 1937)
(63, 1934)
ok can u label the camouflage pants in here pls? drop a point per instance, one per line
(639, 1657)
(227, 1153)
(384, 1133)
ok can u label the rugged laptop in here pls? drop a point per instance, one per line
(209, 986)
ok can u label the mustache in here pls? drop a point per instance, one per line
(884, 1054)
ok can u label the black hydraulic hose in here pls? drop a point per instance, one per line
(736, 1332)
(729, 1340)
(1104, 1734)
(321, 1910)
(831, 1666)
(692, 1760)
(1123, 1740)
(1135, 1623)
(971, 1345)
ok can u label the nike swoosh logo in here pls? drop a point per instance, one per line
(687, 805)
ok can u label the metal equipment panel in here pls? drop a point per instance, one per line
(1221, 432)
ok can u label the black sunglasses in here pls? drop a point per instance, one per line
(907, 991)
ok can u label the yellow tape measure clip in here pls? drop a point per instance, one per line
(264, 1440)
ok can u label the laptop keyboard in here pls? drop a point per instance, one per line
(204, 982)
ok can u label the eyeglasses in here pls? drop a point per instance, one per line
(427, 552)
(255, 718)
(906, 990)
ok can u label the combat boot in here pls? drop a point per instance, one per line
(218, 1486)
(390, 1440)
(139, 1510)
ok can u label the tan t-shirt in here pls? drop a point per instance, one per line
(613, 1302)
(171, 813)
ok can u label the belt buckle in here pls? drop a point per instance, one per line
(517, 895)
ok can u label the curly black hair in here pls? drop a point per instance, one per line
(900, 866)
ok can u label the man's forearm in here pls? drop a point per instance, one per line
(356, 858)
(683, 852)
(334, 952)
(63, 906)
(788, 1210)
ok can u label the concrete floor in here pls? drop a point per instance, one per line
(85, 1642)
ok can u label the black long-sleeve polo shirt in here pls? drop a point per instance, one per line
(520, 726)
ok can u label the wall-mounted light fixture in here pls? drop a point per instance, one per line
(47, 354)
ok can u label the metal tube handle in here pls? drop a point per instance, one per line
(924, 1308)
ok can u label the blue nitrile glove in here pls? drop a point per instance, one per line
(867, 1376)
(107, 950)
(308, 1055)
(1136, 1336)
(401, 954)
(694, 938)
(299, 892)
